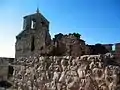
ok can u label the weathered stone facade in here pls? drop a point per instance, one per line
(117, 50)
(35, 36)
(35, 39)
(69, 45)
(108, 47)
(88, 72)
(5, 71)
(97, 49)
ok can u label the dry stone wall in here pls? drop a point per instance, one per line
(4, 67)
(88, 72)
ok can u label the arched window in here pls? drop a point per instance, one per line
(32, 44)
(33, 24)
(113, 48)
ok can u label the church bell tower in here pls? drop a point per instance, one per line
(34, 37)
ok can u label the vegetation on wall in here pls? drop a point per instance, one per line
(75, 34)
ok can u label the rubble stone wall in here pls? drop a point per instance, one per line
(71, 45)
(117, 50)
(108, 47)
(4, 67)
(88, 72)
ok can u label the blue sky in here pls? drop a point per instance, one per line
(98, 21)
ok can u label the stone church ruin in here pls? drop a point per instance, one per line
(36, 40)
(35, 37)
(64, 62)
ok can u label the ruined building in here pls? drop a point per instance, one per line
(34, 37)
(36, 40)
(65, 62)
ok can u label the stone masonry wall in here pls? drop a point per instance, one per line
(88, 72)
(70, 45)
(117, 50)
(4, 67)
(108, 47)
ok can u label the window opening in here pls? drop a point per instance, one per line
(113, 47)
(33, 24)
(32, 44)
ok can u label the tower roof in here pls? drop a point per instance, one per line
(37, 16)
(37, 13)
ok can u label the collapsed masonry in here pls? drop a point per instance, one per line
(88, 72)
